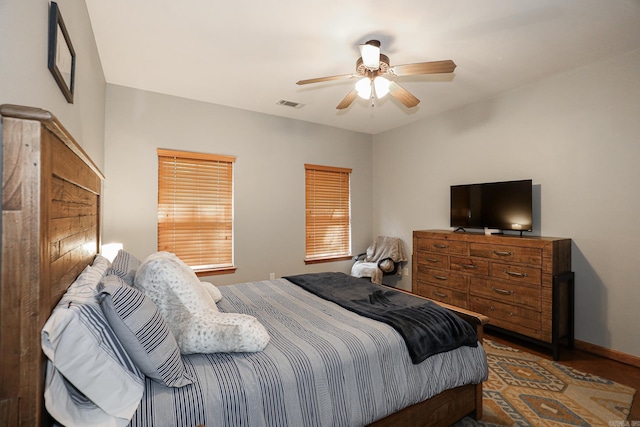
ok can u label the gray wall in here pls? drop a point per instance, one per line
(269, 192)
(26, 80)
(577, 136)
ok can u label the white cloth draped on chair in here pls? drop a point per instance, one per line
(381, 257)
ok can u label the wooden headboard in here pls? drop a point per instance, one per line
(50, 231)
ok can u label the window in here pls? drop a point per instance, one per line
(328, 213)
(195, 209)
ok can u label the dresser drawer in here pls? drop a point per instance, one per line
(474, 266)
(506, 292)
(443, 246)
(433, 259)
(507, 253)
(446, 295)
(516, 273)
(518, 319)
(443, 278)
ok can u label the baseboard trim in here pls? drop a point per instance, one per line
(608, 353)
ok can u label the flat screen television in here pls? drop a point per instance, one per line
(498, 205)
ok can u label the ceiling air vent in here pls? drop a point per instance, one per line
(291, 104)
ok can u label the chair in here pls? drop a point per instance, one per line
(382, 258)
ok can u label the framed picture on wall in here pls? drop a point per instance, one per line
(62, 57)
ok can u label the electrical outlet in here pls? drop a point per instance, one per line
(406, 271)
(272, 276)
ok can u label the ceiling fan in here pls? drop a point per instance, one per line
(373, 68)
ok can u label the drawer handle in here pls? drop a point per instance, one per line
(514, 273)
(432, 260)
(438, 294)
(511, 313)
(503, 291)
(501, 253)
(435, 276)
(469, 266)
(440, 246)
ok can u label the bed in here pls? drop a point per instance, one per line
(51, 233)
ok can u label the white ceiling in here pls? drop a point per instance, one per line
(249, 54)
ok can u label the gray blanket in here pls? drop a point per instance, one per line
(426, 327)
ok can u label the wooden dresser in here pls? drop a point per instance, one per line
(523, 284)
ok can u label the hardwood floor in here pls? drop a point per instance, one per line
(586, 362)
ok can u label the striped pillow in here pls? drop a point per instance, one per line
(143, 332)
(124, 265)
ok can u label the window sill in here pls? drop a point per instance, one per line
(328, 259)
(215, 271)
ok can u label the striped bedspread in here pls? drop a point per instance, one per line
(324, 366)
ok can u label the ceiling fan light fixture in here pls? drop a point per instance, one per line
(371, 66)
(370, 53)
(381, 86)
(363, 87)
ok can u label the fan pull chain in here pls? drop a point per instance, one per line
(373, 90)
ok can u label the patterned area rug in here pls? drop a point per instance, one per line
(526, 390)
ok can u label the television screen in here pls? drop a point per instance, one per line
(501, 205)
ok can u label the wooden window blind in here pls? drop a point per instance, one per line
(328, 213)
(195, 208)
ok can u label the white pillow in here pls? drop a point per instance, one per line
(209, 331)
(213, 291)
(85, 287)
(90, 378)
(101, 262)
(172, 285)
(191, 312)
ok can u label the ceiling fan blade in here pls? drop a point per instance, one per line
(433, 67)
(402, 95)
(326, 79)
(351, 96)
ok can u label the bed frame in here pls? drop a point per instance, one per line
(50, 232)
(444, 409)
(50, 229)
